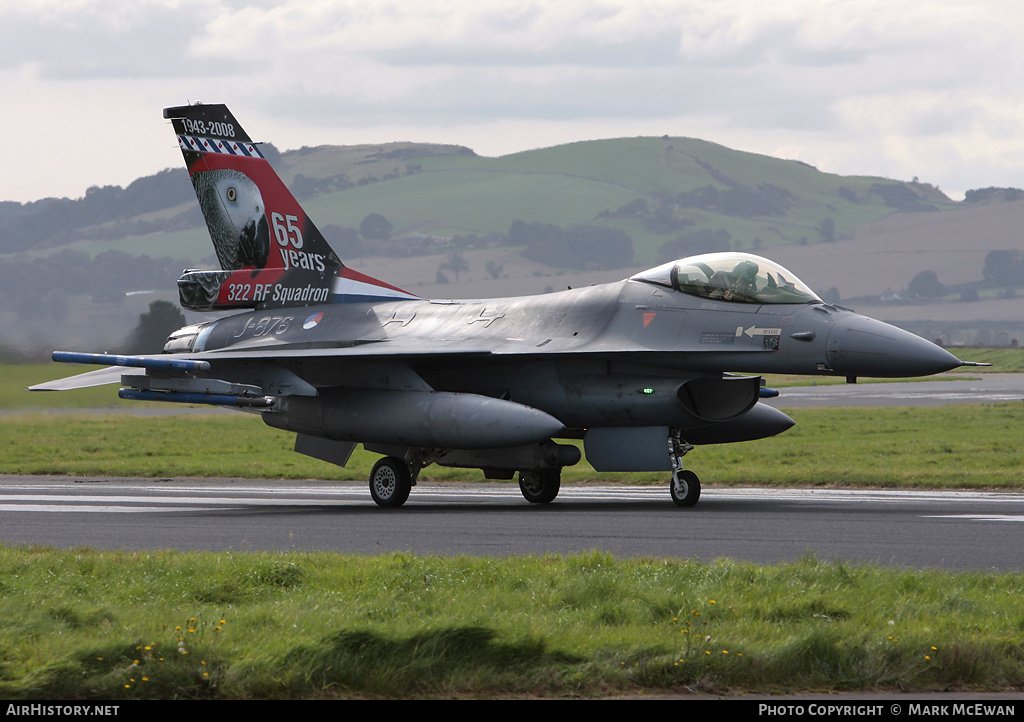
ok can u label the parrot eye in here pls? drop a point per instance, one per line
(232, 194)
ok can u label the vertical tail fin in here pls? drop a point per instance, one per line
(270, 252)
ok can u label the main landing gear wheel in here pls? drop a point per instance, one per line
(685, 488)
(540, 486)
(390, 482)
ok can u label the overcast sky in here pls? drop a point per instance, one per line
(896, 88)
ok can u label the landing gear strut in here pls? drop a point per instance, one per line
(685, 486)
(539, 486)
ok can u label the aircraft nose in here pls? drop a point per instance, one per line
(862, 346)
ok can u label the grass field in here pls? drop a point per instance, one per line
(953, 447)
(81, 624)
(84, 624)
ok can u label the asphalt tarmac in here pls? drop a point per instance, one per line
(942, 530)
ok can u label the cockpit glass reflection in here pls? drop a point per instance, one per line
(735, 277)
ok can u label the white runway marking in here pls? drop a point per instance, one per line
(980, 517)
(220, 497)
(77, 508)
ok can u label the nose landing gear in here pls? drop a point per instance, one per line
(685, 485)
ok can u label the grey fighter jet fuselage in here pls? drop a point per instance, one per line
(640, 370)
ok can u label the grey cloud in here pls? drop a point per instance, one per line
(656, 50)
(84, 43)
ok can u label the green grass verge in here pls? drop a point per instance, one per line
(1003, 360)
(16, 378)
(963, 446)
(82, 624)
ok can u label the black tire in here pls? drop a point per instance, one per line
(390, 482)
(685, 488)
(540, 486)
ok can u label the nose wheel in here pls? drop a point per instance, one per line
(684, 487)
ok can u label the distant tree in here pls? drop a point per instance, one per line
(926, 285)
(633, 209)
(270, 152)
(765, 199)
(1004, 268)
(663, 219)
(597, 247)
(345, 241)
(494, 269)
(154, 327)
(375, 227)
(847, 194)
(831, 295)
(586, 247)
(55, 304)
(518, 233)
(901, 196)
(456, 264)
(993, 195)
(827, 230)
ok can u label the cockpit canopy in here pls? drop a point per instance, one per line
(736, 277)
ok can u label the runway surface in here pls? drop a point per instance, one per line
(985, 389)
(943, 530)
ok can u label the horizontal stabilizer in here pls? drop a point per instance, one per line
(100, 377)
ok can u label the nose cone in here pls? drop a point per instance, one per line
(861, 346)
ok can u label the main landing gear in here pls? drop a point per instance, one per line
(392, 480)
(541, 485)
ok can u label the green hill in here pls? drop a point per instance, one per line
(655, 190)
(597, 207)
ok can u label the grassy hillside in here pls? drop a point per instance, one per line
(671, 197)
(573, 184)
(446, 190)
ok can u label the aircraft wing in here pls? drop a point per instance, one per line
(184, 364)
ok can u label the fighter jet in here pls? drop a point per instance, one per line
(642, 370)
